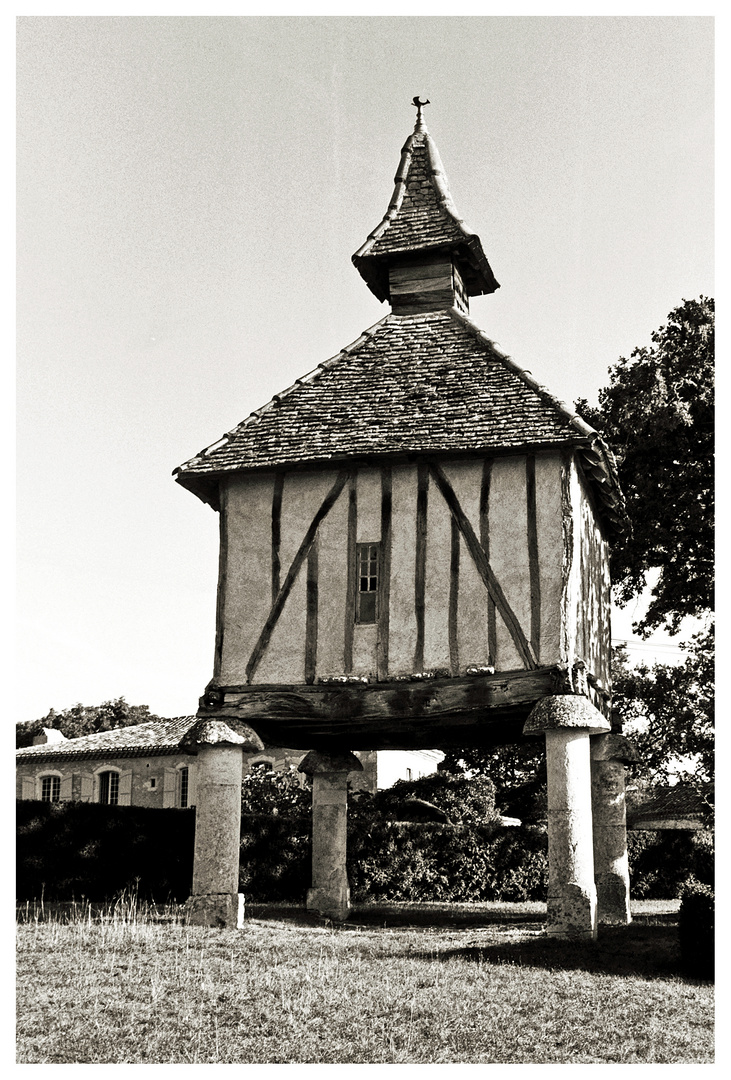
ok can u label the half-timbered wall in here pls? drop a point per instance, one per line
(489, 562)
(586, 629)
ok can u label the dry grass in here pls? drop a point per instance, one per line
(399, 984)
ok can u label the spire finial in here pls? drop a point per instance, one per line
(420, 125)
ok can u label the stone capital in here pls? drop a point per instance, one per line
(565, 711)
(219, 733)
(613, 747)
(320, 761)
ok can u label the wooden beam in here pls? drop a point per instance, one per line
(311, 616)
(393, 715)
(422, 498)
(384, 574)
(222, 575)
(453, 599)
(352, 581)
(302, 553)
(534, 572)
(485, 541)
(480, 559)
(276, 531)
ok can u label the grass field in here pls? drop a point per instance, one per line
(397, 984)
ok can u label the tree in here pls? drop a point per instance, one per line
(668, 712)
(517, 771)
(84, 720)
(657, 416)
(270, 792)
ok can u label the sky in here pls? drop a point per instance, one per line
(190, 192)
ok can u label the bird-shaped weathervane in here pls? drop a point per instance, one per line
(419, 106)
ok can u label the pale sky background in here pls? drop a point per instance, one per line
(190, 192)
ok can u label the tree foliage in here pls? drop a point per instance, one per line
(464, 800)
(517, 771)
(657, 415)
(84, 720)
(275, 793)
(668, 712)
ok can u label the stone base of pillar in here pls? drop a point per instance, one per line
(225, 911)
(572, 914)
(613, 899)
(331, 903)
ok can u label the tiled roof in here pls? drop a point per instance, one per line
(429, 383)
(674, 803)
(421, 217)
(154, 737)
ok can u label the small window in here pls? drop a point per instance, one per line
(367, 579)
(183, 781)
(51, 788)
(153, 783)
(109, 788)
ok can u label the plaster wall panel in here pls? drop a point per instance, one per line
(332, 589)
(466, 480)
(284, 658)
(550, 550)
(369, 506)
(365, 640)
(436, 606)
(246, 597)
(402, 632)
(571, 572)
(508, 523)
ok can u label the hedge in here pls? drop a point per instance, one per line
(71, 850)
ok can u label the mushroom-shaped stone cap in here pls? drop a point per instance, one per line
(614, 748)
(319, 761)
(219, 733)
(561, 711)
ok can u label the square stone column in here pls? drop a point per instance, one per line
(330, 892)
(567, 721)
(610, 754)
(215, 899)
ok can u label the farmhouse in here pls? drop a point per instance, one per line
(150, 765)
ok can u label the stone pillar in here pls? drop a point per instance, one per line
(330, 892)
(567, 721)
(609, 756)
(215, 899)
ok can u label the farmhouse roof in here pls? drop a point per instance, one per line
(680, 804)
(421, 217)
(140, 740)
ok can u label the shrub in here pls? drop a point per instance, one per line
(661, 862)
(276, 793)
(696, 930)
(400, 861)
(71, 849)
(276, 857)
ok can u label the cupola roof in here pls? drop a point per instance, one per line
(422, 219)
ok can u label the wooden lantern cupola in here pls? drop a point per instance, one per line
(414, 536)
(421, 257)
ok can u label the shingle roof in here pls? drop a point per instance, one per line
(422, 217)
(429, 383)
(154, 737)
(675, 803)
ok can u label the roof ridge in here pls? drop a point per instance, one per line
(311, 376)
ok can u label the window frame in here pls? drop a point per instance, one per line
(366, 614)
(101, 775)
(50, 777)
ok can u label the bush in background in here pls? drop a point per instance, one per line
(661, 862)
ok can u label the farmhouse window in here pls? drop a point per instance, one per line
(51, 788)
(367, 582)
(109, 788)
